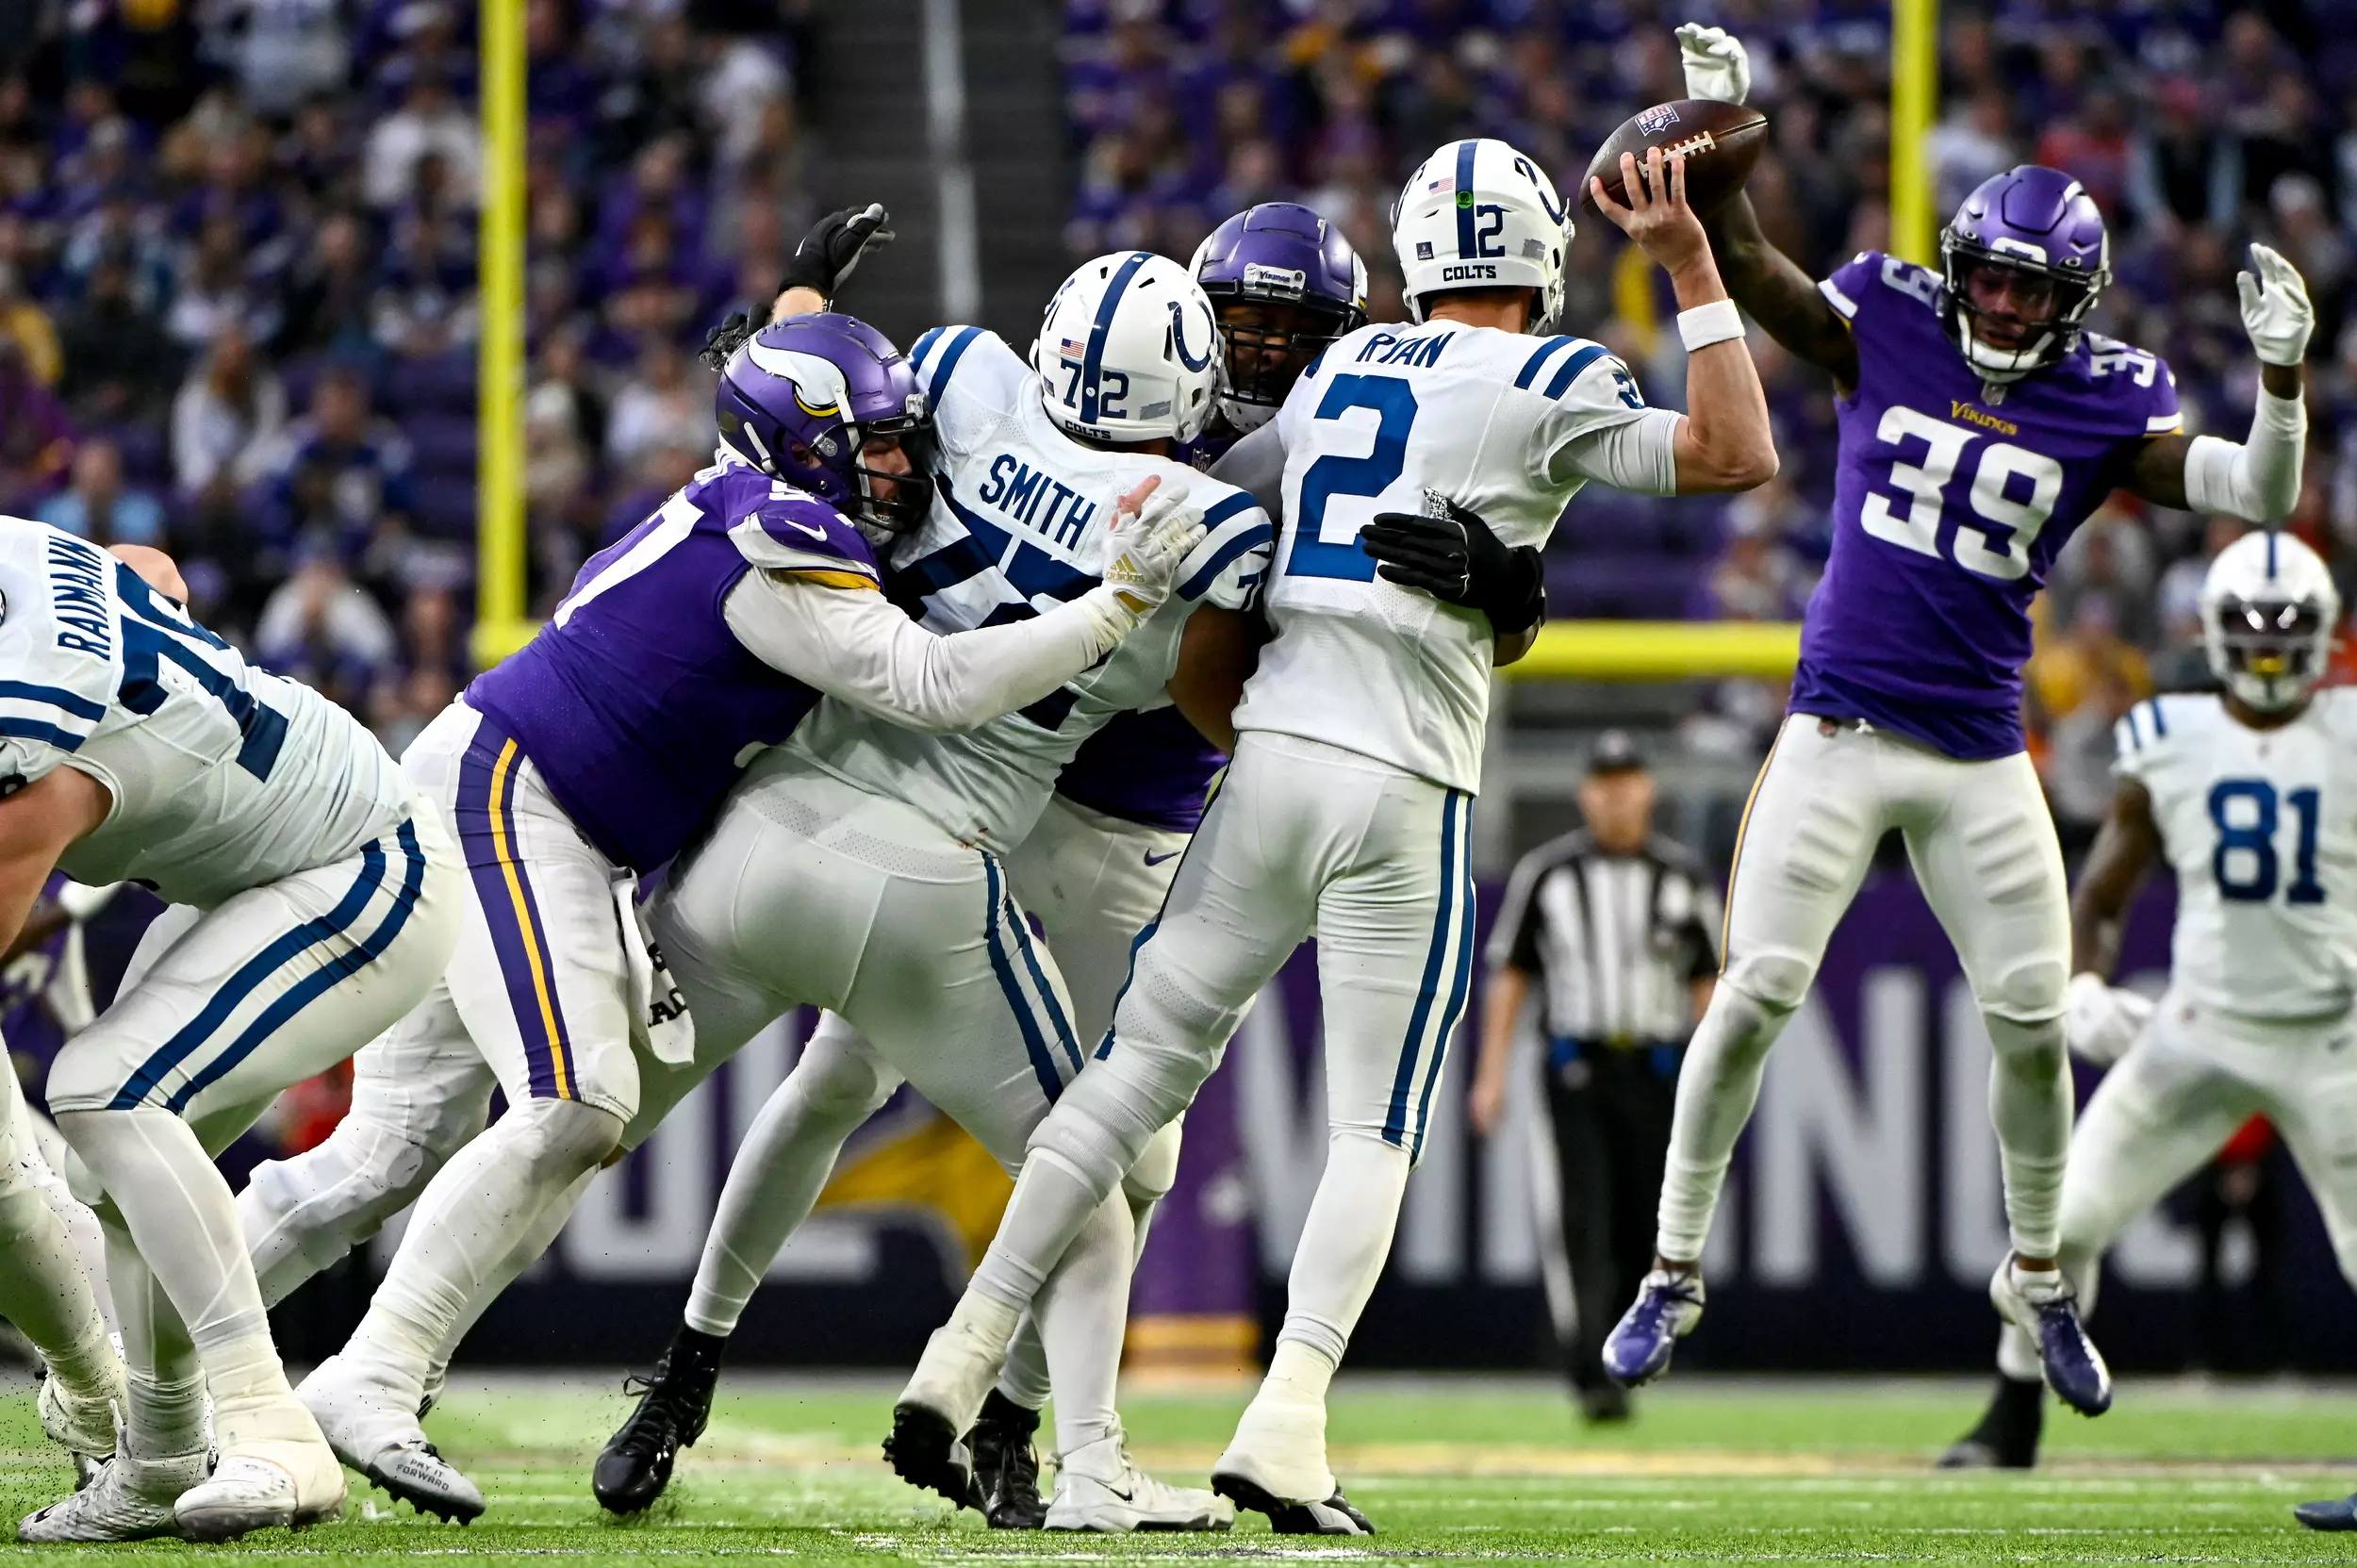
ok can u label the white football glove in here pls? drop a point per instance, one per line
(2275, 308)
(1716, 66)
(2104, 1019)
(1146, 550)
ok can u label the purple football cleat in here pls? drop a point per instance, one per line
(2074, 1368)
(1667, 1307)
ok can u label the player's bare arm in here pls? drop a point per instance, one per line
(2257, 479)
(1776, 292)
(1724, 442)
(35, 825)
(1217, 653)
(2125, 849)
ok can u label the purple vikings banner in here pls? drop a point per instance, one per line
(1860, 1227)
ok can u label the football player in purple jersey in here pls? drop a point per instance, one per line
(700, 639)
(1981, 422)
(1283, 283)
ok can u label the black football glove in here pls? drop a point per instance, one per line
(1459, 561)
(832, 250)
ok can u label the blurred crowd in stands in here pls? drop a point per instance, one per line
(2198, 126)
(237, 312)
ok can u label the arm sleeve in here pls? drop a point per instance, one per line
(1257, 464)
(1597, 427)
(855, 645)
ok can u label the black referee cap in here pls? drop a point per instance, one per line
(1615, 752)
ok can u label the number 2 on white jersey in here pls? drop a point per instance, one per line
(2000, 550)
(1394, 403)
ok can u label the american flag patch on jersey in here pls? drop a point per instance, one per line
(1651, 122)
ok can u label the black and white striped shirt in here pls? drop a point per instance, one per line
(1616, 941)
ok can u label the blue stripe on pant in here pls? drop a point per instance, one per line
(1035, 1039)
(1395, 1129)
(252, 975)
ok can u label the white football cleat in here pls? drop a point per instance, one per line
(82, 1424)
(374, 1430)
(264, 1485)
(131, 1499)
(1100, 1488)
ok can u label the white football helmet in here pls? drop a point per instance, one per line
(1480, 215)
(2268, 612)
(1129, 351)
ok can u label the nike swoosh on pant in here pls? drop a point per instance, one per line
(1153, 859)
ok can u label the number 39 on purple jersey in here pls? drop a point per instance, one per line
(1950, 503)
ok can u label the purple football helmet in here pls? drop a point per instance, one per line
(2036, 222)
(1281, 255)
(800, 400)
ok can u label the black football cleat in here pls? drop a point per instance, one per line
(1006, 1464)
(1334, 1516)
(925, 1452)
(2006, 1438)
(2340, 1514)
(636, 1464)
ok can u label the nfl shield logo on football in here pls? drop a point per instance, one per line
(1651, 122)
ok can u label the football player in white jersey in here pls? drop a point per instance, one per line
(1346, 808)
(2249, 794)
(314, 902)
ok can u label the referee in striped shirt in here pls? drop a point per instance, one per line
(1617, 930)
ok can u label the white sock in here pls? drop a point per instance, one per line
(165, 1381)
(2029, 1103)
(1082, 1314)
(1052, 1201)
(45, 1288)
(1344, 1245)
(180, 1216)
(779, 1169)
(1025, 1379)
(1718, 1085)
(466, 1226)
(536, 1239)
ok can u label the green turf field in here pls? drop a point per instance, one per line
(1783, 1472)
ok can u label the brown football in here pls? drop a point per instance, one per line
(1721, 142)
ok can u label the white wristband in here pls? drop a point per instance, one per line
(1717, 323)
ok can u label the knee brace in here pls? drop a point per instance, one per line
(2030, 994)
(838, 1077)
(1775, 983)
(1156, 1172)
(551, 1135)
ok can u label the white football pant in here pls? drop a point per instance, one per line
(1301, 836)
(1092, 882)
(219, 1012)
(1983, 846)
